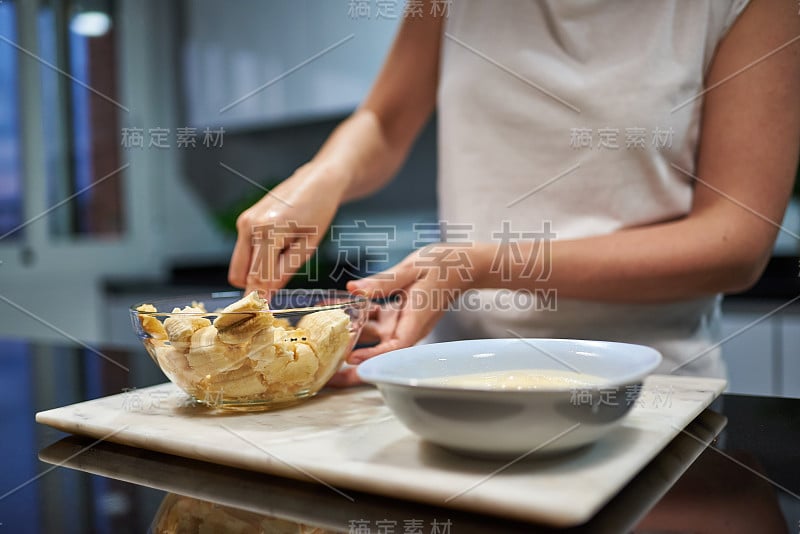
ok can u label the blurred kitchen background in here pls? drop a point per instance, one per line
(132, 132)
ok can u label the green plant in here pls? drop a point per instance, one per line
(226, 219)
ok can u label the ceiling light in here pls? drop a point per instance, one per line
(90, 23)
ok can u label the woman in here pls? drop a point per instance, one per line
(652, 144)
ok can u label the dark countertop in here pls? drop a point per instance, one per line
(748, 480)
(779, 282)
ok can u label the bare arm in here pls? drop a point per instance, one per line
(747, 162)
(373, 143)
(361, 156)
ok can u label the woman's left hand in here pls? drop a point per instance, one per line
(422, 287)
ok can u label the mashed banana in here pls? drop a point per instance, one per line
(243, 353)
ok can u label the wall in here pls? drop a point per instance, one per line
(273, 154)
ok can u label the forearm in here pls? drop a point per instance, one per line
(367, 149)
(361, 153)
(688, 258)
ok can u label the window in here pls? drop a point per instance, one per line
(80, 116)
(11, 200)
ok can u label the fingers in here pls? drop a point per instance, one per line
(266, 249)
(411, 327)
(278, 234)
(387, 282)
(277, 256)
(420, 314)
(345, 377)
(381, 324)
(370, 333)
(294, 255)
(360, 355)
(398, 329)
(240, 260)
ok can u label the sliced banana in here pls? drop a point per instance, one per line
(286, 361)
(301, 362)
(173, 362)
(246, 352)
(283, 322)
(250, 302)
(303, 367)
(262, 346)
(208, 355)
(151, 325)
(237, 326)
(328, 332)
(237, 384)
(243, 331)
(285, 340)
(181, 327)
(263, 355)
(231, 313)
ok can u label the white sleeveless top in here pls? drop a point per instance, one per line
(576, 100)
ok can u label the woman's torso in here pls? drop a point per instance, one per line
(584, 114)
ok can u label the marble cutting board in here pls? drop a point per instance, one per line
(348, 439)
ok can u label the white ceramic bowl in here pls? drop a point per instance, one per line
(492, 422)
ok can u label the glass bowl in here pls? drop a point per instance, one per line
(229, 350)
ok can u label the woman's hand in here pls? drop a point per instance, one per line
(279, 233)
(423, 286)
(418, 290)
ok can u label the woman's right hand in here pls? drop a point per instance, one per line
(280, 232)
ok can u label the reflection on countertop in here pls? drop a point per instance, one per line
(274, 499)
(751, 473)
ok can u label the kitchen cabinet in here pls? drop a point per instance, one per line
(749, 353)
(765, 358)
(790, 344)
